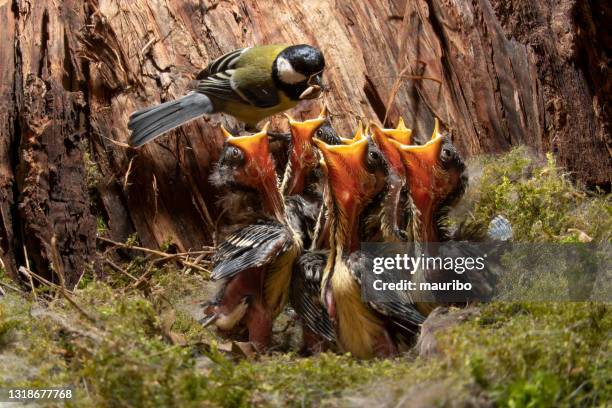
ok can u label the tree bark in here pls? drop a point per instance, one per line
(497, 74)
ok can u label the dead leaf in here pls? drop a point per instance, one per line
(582, 236)
(168, 318)
(244, 349)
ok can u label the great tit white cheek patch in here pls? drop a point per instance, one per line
(287, 73)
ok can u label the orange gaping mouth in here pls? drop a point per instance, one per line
(383, 137)
(303, 155)
(421, 158)
(260, 167)
(345, 164)
(302, 134)
(421, 163)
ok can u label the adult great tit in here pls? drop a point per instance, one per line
(249, 83)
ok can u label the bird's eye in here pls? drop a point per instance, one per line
(375, 157)
(234, 154)
(446, 154)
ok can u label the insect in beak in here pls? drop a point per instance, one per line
(315, 87)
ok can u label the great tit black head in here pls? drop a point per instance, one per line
(298, 71)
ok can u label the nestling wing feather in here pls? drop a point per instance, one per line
(395, 305)
(250, 247)
(305, 293)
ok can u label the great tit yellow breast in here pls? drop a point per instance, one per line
(252, 114)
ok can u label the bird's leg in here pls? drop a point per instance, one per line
(384, 346)
(313, 343)
(259, 323)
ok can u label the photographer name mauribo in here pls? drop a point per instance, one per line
(406, 284)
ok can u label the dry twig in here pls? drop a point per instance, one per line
(143, 278)
(178, 257)
(30, 274)
(119, 269)
(397, 84)
(127, 174)
(6, 285)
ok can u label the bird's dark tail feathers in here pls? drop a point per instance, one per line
(148, 123)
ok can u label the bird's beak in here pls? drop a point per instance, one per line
(315, 87)
(421, 157)
(356, 137)
(303, 155)
(260, 168)
(382, 138)
(421, 162)
(424, 155)
(345, 165)
(401, 133)
(302, 133)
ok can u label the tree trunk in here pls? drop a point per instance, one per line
(497, 74)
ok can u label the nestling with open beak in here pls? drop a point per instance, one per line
(436, 177)
(391, 216)
(303, 184)
(255, 262)
(303, 156)
(302, 178)
(365, 329)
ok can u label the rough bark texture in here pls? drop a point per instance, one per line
(504, 73)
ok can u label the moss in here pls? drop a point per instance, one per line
(8, 325)
(522, 348)
(93, 176)
(167, 245)
(101, 227)
(133, 240)
(539, 200)
(514, 354)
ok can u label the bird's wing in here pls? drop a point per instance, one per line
(215, 79)
(258, 92)
(218, 80)
(262, 94)
(219, 86)
(395, 305)
(305, 293)
(302, 216)
(223, 63)
(250, 247)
